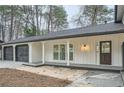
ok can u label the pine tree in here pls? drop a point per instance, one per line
(94, 14)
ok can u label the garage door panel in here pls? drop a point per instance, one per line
(8, 53)
(22, 53)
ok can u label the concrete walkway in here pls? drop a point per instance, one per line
(95, 78)
(57, 72)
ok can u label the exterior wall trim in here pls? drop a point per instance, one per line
(43, 52)
(30, 52)
(68, 60)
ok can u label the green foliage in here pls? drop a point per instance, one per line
(57, 18)
(60, 17)
(30, 31)
(29, 20)
(94, 14)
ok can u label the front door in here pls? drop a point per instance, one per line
(105, 52)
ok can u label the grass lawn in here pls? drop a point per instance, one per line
(18, 78)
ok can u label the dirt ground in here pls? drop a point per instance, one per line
(57, 72)
(18, 78)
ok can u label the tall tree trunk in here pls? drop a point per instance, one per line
(37, 28)
(94, 16)
(2, 25)
(33, 21)
(2, 29)
(50, 19)
(18, 28)
(11, 25)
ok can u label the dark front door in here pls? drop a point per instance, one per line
(22, 53)
(105, 52)
(8, 53)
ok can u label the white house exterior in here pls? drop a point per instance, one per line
(83, 50)
(98, 46)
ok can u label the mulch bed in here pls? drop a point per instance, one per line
(18, 78)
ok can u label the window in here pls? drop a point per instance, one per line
(59, 52)
(62, 52)
(71, 52)
(106, 47)
(56, 52)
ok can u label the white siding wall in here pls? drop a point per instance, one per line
(89, 57)
(36, 52)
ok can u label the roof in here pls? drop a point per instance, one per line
(103, 29)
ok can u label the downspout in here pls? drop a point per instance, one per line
(116, 7)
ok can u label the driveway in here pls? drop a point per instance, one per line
(10, 64)
(80, 77)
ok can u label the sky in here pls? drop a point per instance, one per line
(72, 10)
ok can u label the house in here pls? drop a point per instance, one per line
(100, 46)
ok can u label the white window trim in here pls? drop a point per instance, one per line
(59, 52)
(65, 52)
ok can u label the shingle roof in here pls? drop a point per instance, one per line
(110, 28)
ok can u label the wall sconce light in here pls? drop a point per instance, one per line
(85, 47)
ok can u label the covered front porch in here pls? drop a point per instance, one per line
(70, 52)
(77, 52)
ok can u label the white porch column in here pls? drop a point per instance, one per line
(43, 52)
(14, 56)
(30, 52)
(2, 53)
(68, 63)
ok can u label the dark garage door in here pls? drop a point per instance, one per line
(22, 53)
(8, 53)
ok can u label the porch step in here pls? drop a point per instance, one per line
(102, 67)
(36, 64)
(55, 64)
(87, 66)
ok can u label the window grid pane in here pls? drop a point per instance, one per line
(62, 52)
(106, 47)
(71, 56)
(71, 52)
(56, 52)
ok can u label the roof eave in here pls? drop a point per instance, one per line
(70, 36)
